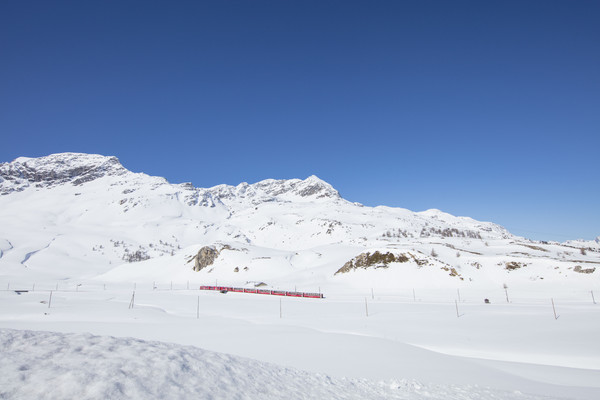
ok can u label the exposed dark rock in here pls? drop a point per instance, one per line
(512, 265)
(584, 270)
(206, 256)
(377, 260)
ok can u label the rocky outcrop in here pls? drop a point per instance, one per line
(206, 256)
(584, 270)
(378, 260)
(512, 265)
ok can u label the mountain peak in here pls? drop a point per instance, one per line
(267, 190)
(55, 169)
(313, 185)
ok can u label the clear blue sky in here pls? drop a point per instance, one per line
(478, 108)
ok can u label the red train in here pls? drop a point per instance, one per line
(225, 289)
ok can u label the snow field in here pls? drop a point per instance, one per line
(517, 346)
(46, 365)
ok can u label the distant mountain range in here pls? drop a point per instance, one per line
(83, 216)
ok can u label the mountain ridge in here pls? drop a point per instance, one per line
(91, 213)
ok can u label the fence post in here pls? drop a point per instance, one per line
(132, 302)
(554, 309)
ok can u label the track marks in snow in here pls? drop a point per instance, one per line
(32, 253)
(5, 245)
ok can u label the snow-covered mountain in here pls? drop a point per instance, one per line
(73, 215)
(88, 246)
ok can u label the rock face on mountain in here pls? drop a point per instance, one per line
(56, 169)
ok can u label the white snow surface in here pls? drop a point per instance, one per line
(45, 365)
(416, 327)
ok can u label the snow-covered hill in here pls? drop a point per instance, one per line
(78, 216)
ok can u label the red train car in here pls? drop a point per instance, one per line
(226, 289)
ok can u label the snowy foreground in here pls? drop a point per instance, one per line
(39, 365)
(315, 348)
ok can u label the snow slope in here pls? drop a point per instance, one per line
(500, 347)
(46, 365)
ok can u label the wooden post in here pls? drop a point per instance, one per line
(132, 302)
(366, 308)
(50, 299)
(506, 291)
(593, 299)
(457, 314)
(554, 309)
